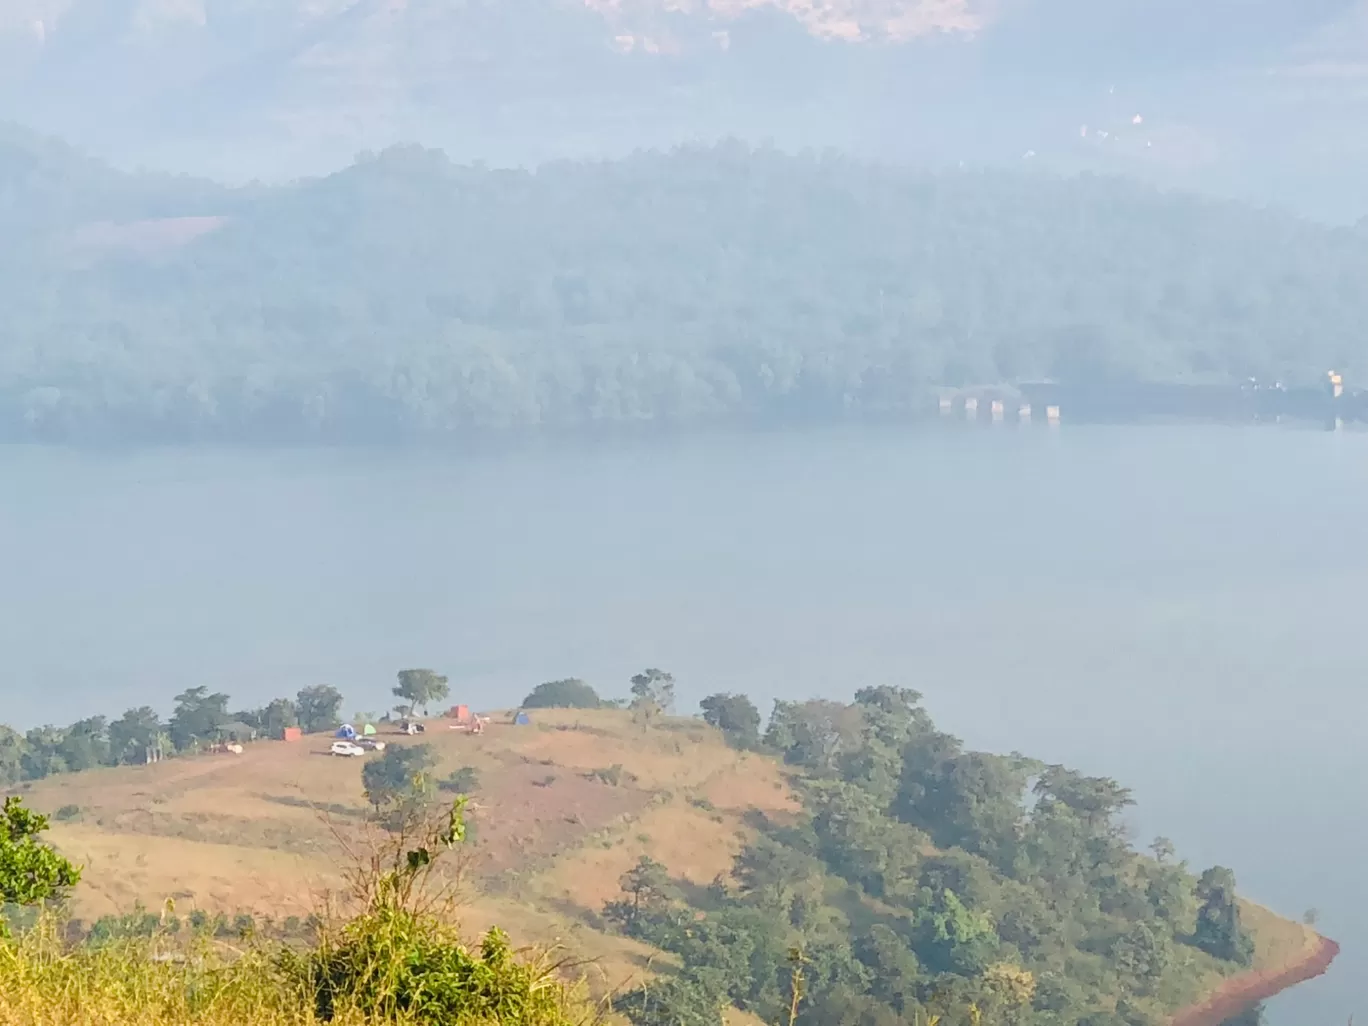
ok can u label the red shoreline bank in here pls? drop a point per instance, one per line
(1240, 993)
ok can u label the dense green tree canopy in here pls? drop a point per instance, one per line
(924, 880)
(734, 715)
(133, 734)
(198, 716)
(570, 693)
(409, 296)
(319, 707)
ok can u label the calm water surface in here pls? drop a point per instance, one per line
(1179, 608)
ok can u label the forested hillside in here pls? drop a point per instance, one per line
(409, 296)
(918, 882)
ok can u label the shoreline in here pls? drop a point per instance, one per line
(1241, 993)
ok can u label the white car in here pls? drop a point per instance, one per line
(347, 748)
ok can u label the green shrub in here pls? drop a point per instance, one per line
(465, 780)
(393, 963)
(31, 872)
(396, 960)
(109, 929)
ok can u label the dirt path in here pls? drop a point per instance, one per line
(1240, 993)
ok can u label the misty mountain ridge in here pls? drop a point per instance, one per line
(410, 296)
(1246, 97)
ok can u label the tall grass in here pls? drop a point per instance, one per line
(45, 982)
(394, 960)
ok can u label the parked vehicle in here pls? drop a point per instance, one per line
(371, 744)
(348, 748)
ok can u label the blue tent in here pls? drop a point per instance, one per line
(522, 719)
(347, 732)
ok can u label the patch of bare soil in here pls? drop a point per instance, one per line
(1243, 992)
(531, 811)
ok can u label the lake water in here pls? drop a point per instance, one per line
(1181, 608)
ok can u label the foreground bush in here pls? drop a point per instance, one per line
(399, 967)
(395, 961)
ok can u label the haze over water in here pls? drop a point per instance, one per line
(1179, 608)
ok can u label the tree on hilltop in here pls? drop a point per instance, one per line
(421, 688)
(278, 716)
(198, 716)
(571, 693)
(134, 735)
(652, 693)
(736, 716)
(319, 708)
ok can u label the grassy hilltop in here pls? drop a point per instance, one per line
(664, 861)
(260, 832)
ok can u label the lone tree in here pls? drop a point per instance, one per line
(319, 708)
(421, 688)
(1219, 931)
(652, 693)
(736, 716)
(646, 890)
(571, 693)
(31, 872)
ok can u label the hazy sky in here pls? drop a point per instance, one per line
(259, 90)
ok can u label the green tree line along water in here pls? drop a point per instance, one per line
(407, 296)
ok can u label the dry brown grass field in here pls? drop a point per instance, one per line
(267, 832)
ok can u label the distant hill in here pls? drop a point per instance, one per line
(737, 855)
(407, 296)
(1249, 97)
